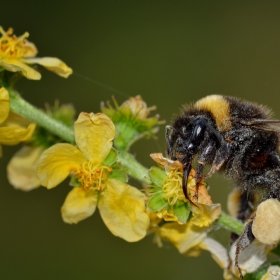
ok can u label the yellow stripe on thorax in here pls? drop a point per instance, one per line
(219, 108)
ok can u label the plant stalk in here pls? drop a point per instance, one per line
(25, 109)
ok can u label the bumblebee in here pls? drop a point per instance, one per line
(234, 136)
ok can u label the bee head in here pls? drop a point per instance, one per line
(184, 141)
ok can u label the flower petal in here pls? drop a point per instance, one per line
(51, 63)
(22, 168)
(184, 237)
(94, 134)
(166, 162)
(251, 258)
(205, 215)
(217, 251)
(15, 65)
(122, 209)
(79, 205)
(57, 162)
(12, 135)
(14, 119)
(4, 104)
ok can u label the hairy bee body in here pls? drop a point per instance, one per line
(239, 138)
(236, 137)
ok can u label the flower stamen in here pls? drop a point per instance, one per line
(12, 46)
(172, 187)
(92, 175)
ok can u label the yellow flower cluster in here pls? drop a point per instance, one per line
(187, 224)
(17, 53)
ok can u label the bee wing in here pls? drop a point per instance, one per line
(262, 124)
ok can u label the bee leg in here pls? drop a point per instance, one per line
(244, 240)
(203, 158)
(246, 200)
(168, 130)
(221, 157)
(198, 177)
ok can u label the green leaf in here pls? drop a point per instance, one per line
(157, 175)
(182, 210)
(157, 202)
(111, 158)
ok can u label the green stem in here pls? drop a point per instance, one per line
(134, 168)
(25, 109)
(230, 223)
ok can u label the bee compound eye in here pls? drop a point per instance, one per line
(198, 133)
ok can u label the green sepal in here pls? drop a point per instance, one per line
(119, 142)
(157, 176)
(118, 175)
(157, 202)
(182, 210)
(154, 189)
(74, 182)
(111, 158)
(256, 275)
(126, 135)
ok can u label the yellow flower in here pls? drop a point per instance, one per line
(204, 215)
(11, 134)
(16, 53)
(186, 232)
(121, 206)
(190, 240)
(22, 168)
(184, 237)
(167, 198)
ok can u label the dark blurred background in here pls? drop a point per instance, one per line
(171, 53)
